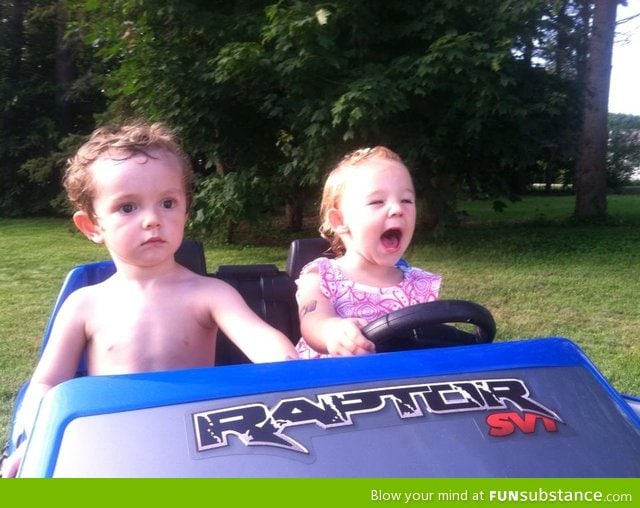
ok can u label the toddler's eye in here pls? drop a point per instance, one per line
(408, 201)
(168, 203)
(127, 208)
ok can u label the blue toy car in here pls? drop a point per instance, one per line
(527, 408)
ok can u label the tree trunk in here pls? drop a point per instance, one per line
(15, 40)
(64, 72)
(591, 163)
(562, 45)
(294, 213)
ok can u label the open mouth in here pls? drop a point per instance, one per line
(391, 238)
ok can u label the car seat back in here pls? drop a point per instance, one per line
(191, 256)
(271, 295)
(304, 250)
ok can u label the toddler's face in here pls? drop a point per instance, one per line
(140, 206)
(378, 211)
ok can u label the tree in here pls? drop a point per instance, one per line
(442, 83)
(42, 100)
(11, 41)
(164, 61)
(591, 165)
(268, 95)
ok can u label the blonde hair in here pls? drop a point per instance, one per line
(120, 143)
(335, 184)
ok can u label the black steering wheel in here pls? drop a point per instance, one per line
(428, 325)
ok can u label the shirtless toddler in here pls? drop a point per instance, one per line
(132, 190)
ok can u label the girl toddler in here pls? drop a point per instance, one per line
(368, 214)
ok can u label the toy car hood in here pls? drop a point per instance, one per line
(530, 408)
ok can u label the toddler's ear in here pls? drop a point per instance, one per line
(334, 218)
(89, 228)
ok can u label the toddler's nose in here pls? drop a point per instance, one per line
(395, 208)
(150, 220)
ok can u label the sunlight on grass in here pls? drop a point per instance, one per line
(545, 208)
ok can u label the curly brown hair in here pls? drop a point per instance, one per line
(120, 143)
(335, 184)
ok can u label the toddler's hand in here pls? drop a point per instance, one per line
(11, 464)
(347, 339)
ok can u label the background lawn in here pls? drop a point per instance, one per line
(537, 272)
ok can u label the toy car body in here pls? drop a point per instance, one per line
(526, 408)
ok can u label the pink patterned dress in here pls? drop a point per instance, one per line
(351, 299)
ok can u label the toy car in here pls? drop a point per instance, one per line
(526, 408)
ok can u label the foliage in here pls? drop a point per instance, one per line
(221, 200)
(440, 84)
(480, 99)
(163, 67)
(41, 102)
(280, 91)
(623, 157)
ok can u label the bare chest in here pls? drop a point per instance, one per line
(137, 332)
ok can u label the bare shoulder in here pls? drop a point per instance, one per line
(314, 266)
(205, 283)
(309, 281)
(83, 296)
(214, 292)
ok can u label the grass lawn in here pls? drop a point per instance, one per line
(537, 272)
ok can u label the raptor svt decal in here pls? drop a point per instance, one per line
(259, 425)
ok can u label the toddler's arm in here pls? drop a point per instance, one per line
(23, 424)
(58, 363)
(256, 338)
(322, 328)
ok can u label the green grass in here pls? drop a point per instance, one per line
(539, 274)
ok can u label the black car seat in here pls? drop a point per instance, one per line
(303, 251)
(270, 293)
